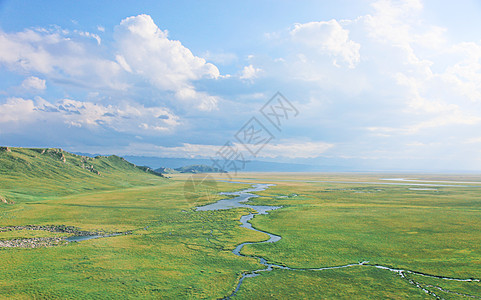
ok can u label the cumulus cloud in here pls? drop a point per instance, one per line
(328, 37)
(144, 49)
(250, 72)
(126, 118)
(391, 21)
(34, 83)
(141, 52)
(57, 54)
(376, 84)
(396, 78)
(203, 101)
(16, 110)
(437, 93)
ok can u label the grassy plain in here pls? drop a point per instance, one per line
(322, 224)
(177, 252)
(173, 252)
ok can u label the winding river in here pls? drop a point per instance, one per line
(240, 199)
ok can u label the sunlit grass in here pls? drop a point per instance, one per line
(177, 252)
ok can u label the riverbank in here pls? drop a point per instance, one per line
(75, 235)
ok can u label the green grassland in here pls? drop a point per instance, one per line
(352, 283)
(327, 224)
(172, 252)
(177, 252)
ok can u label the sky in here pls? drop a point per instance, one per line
(372, 85)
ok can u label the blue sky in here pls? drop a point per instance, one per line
(379, 85)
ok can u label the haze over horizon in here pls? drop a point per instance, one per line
(378, 85)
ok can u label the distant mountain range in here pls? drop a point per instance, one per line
(250, 166)
(190, 169)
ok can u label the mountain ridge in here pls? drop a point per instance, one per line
(191, 169)
(49, 172)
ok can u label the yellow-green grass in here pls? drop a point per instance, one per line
(352, 283)
(441, 287)
(177, 252)
(328, 224)
(173, 251)
(35, 174)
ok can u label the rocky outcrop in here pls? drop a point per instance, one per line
(54, 152)
(33, 242)
(49, 241)
(5, 200)
(5, 149)
(52, 228)
(85, 165)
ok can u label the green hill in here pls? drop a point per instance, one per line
(163, 170)
(29, 172)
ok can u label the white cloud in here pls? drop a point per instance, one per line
(474, 140)
(34, 83)
(55, 54)
(465, 75)
(121, 60)
(409, 81)
(328, 38)
(250, 72)
(121, 118)
(391, 22)
(142, 52)
(203, 101)
(144, 49)
(89, 35)
(16, 110)
(295, 150)
(188, 150)
(220, 57)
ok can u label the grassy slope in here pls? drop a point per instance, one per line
(29, 173)
(173, 251)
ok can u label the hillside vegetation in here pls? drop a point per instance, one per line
(34, 172)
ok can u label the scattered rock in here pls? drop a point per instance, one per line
(33, 242)
(89, 168)
(5, 149)
(5, 200)
(49, 241)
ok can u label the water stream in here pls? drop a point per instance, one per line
(80, 238)
(240, 201)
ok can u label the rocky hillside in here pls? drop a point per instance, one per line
(46, 172)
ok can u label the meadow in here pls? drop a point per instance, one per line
(175, 251)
